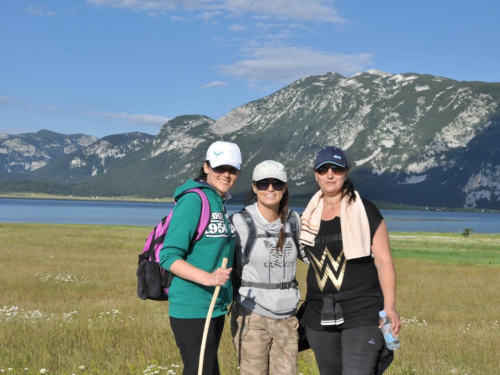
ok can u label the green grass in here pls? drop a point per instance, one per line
(68, 304)
(478, 249)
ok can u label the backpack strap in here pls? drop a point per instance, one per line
(301, 251)
(292, 220)
(252, 236)
(205, 213)
(155, 241)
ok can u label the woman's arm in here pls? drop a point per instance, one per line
(386, 274)
(178, 240)
(189, 272)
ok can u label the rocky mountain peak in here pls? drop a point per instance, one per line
(182, 133)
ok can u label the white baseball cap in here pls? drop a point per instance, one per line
(224, 153)
(269, 169)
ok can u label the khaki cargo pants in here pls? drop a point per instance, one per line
(264, 345)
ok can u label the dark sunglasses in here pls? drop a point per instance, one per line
(225, 168)
(337, 171)
(264, 184)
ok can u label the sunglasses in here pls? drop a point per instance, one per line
(337, 171)
(225, 168)
(264, 184)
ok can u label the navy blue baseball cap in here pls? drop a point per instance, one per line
(331, 155)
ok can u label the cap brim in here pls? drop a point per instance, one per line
(331, 162)
(259, 177)
(232, 164)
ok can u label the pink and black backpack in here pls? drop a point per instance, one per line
(153, 281)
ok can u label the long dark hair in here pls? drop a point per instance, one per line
(348, 186)
(251, 197)
(202, 176)
(348, 190)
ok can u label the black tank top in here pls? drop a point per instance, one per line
(330, 272)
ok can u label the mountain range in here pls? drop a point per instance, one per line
(31, 151)
(411, 139)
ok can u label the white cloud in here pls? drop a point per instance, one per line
(311, 10)
(39, 10)
(177, 18)
(262, 25)
(282, 34)
(4, 99)
(296, 26)
(213, 84)
(286, 64)
(236, 27)
(263, 17)
(138, 4)
(146, 120)
(207, 16)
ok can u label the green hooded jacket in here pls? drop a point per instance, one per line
(188, 299)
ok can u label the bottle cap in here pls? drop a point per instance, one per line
(382, 314)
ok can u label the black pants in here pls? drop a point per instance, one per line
(188, 335)
(352, 351)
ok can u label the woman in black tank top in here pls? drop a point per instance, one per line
(351, 275)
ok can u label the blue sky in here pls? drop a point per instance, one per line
(104, 67)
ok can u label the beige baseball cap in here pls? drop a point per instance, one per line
(269, 169)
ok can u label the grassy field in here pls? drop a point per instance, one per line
(68, 304)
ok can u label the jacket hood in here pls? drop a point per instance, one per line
(262, 223)
(191, 184)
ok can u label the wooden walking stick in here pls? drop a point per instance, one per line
(207, 323)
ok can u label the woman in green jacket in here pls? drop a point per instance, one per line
(196, 265)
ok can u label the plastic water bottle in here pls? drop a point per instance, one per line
(391, 341)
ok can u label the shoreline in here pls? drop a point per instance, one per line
(420, 235)
(95, 198)
(381, 205)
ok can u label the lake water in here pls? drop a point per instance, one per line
(135, 213)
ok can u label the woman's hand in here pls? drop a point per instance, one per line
(381, 251)
(393, 315)
(219, 277)
(189, 272)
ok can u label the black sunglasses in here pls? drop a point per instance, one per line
(338, 171)
(264, 184)
(225, 168)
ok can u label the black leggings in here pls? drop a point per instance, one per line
(352, 351)
(188, 335)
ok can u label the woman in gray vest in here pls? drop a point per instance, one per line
(263, 322)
